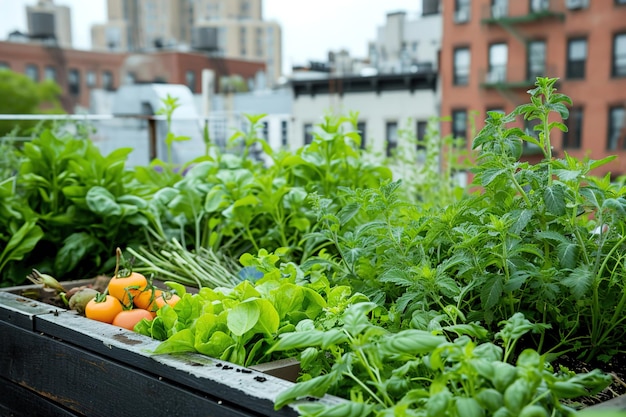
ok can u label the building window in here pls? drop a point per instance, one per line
(50, 73)
(242, 41)
(107, 80)
(361, 129)
(461, 66)
(498, 57)
(391, 134)
(576, 58)
(499, 8)
(537, 6)
(4, 65)
(73, 82)
(430, 7)
(461, 11)
(620, 2)
(308, 133)
(619, 55)
(32, 72)
(90, 79)
(420, 133)
(284, 133)
(617, 137)
(572, 138)
(576, 4)
(459, 124)
(190, 80)
(265, 131)
(259, 42)
(536, 60)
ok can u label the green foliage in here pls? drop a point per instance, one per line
(241, 323)
(21, 95)
(417, 373)
(170, 104)
(77, 197)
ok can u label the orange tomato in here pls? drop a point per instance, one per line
(167, 298)
(103, 308)
(128, 319)
(126, 288)
(147, 298)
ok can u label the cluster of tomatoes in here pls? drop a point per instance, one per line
(128, 300)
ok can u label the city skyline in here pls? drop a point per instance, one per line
(348, 24)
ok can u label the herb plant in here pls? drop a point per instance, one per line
(418, 373)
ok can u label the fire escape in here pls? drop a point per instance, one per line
(523, 77)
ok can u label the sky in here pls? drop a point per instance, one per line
(310, 27)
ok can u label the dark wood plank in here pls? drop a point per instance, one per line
(89, 384)
(20, 310)
(17, 401)
(254, 390)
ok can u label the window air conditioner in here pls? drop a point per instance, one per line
(576, 4)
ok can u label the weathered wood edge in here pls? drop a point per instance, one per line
(253, 389)
(87, 384)
(21, 311)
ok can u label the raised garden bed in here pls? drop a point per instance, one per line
(54, 362)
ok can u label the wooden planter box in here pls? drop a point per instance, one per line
(54, 362)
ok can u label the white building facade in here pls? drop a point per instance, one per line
(386, 105)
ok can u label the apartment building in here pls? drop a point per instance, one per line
(227, 28)
(406, 43)
(493, 50)
(78, 72)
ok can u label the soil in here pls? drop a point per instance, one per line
(616, 367)
(51, 297)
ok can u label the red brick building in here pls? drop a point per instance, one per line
(78, 72)
(493, 50)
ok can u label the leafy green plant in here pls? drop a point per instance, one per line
(429, 168)
(170, 104)
(21, 95)
(418, 373)
(239, 324)
(542, 239)
(77, 197)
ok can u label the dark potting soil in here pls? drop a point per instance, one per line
(616, 367)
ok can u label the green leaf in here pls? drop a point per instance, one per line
(269, 320)
(243, 317)
(75, 247)
(21, 242)
(248, 200)
(215, 200)
(567, 174)
(490, 174)
(411, 342)
(100, 201)
(568, 254)
(554, 199)
(347, 212)
(315, 387)
(579, 281)
(491, 291)
(182, 341)
(298, 340)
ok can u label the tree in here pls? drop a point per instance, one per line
(21, 95)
